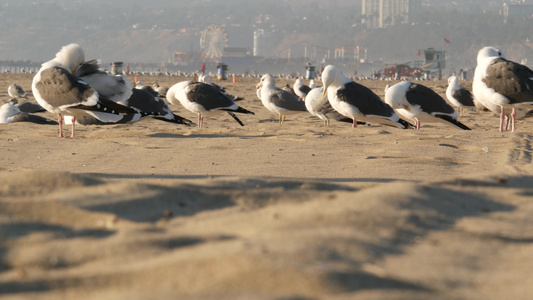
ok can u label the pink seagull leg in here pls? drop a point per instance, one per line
(60, 121)
(502, 116)
(73, 129)
(513, 120)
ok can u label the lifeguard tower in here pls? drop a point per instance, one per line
(435, 60)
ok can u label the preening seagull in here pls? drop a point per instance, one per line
(59, 91)
(356, 101)
(119, 89)
(421, 104)
(319, 106)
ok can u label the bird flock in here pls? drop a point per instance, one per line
(80, 92)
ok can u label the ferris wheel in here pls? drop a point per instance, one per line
(212, 42)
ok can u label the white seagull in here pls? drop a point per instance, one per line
(59, 91)
(203, 99)
(502, 85)
(277, 100)
(457, 95)
(356, 101)
(420, 103)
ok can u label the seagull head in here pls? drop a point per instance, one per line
(453, 80)
(488, 52)
(266, 80)
(71, 56)
(330, 76)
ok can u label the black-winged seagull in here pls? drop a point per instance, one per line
(59, 91)
(207, 79)
(420, 103)
(9, 113)
(356, 101)
(119, 89)
(458, 96)
(319, 106)
(300, 89)
(277, 100)
(502, 85)
(203, 99)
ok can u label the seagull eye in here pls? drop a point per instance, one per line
(499, 54)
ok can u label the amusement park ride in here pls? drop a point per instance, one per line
(212, 43)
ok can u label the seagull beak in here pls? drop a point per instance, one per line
(259, 85)
(324, 92)
(74, 72)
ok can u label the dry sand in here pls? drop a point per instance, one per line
(155, 210)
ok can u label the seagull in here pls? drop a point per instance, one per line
(9, 113)
(26, 106)
(420, 103)
(59, 91)
(120, 90)
(356, 101)
(207, 79)
(502, 85)
(289, 89)
(160, 89)
(312, 84)
(277, 100)
(300, 89)
(203, 99)
(458, 96)
(16, 91)
(319, 106)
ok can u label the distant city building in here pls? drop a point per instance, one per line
(384, 13)
(517, 11)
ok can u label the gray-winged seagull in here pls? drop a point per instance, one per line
(16, 91)
(277, 100)
(502, 85)
(9, 113)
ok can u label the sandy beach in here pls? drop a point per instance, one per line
(154, 210)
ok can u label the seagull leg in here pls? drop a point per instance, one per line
(73, 135)
(354, 125)
(200, 120)
(60, 121)
(502, 116)
(513, 120)
(417, 124)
